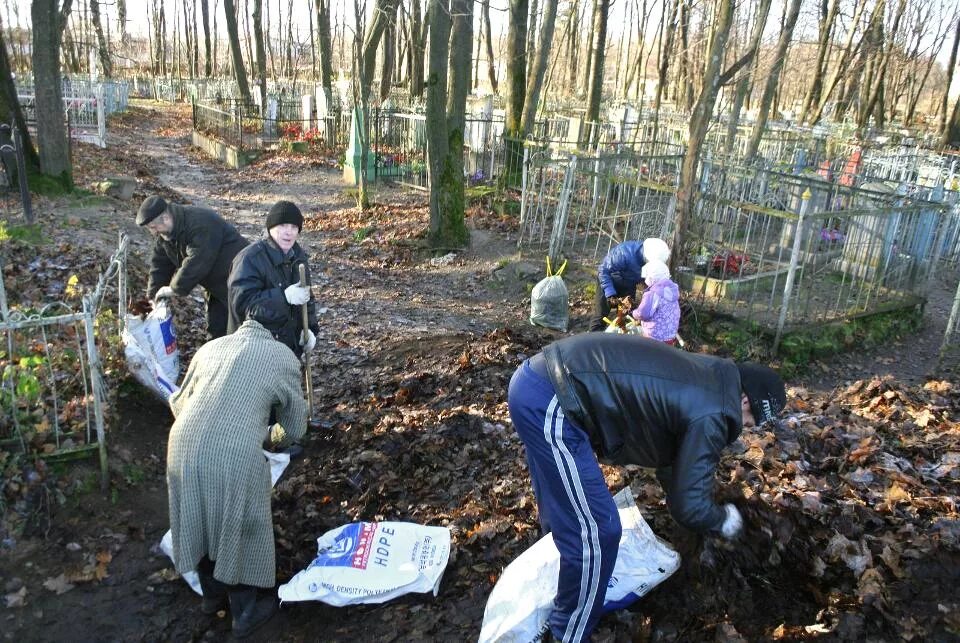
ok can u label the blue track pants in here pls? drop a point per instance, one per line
(573, 500)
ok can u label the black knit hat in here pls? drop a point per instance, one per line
(284, 212)
(764, 389)
(151, 208)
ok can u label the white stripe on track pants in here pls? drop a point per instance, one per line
(574, 503)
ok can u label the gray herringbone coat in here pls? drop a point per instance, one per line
(218, 479)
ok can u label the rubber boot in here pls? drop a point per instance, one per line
(249, 612)
(214, 593)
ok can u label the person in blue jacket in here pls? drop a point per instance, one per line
(620, 272)
(626, 399)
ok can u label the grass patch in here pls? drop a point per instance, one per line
(29, 234)
(479, 194)
(46, 185)
(362, 233)
(798, 349)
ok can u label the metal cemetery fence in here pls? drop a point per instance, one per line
(52, 390)
(581, 206)
(87, 104)
(779, 250)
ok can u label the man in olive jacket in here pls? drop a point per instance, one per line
(627, 399)
(193, 246)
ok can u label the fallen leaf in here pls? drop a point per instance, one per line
(16, 599)
(58, 584)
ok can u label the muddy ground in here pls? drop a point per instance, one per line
(852, 530)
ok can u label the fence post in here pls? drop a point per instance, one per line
(523, 193)
(239, 114)
(96, 384)
(792, 272)
(951, 328)
(101, 116)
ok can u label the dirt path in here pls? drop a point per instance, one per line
(911, 359)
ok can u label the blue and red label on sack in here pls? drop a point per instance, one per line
(169, 335)
(357, 545)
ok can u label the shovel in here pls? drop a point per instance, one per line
(308, 376)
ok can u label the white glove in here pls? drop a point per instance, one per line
(164, 293)
(732, 524)
(311, 341)
(297, 295)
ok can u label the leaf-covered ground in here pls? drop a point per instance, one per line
(851, 518)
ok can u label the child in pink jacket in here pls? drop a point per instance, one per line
(659, 309)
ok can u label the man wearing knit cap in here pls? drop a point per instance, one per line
(625, 399)
(193, 246)
(264, 283)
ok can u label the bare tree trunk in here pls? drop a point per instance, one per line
(583, 89)
(951, 135)
(290, 69)
(516, 84)
(195, 72)
(743, 84)
(383, 15)
(70, 54)
(945, 118)
(164, 64)
(10, 111)
(840, 66)
(205, 17)
(488, 38)
(103, 52)
(188, 43)
(532, 16)
(239, 71)
(261, 53)
(324, 49)
(828, 15)
(773, 79)
(573, 47)
(666, 50)
(601, 9)
(49, 19)
(271, 56)
(122, 22)
(684, 79)
(389, 57)
(446, 108)
(700, 121)
(418, 44)
(539, 67)
(246, 31)
(876, 97)
(441, 25)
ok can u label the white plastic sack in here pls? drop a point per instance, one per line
(150, 346)
(372, 562)
(278, 463)
(522, 599)
(549, 303)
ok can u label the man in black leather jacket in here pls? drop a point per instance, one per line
(193, 246)
(265, 282)
(625, 399)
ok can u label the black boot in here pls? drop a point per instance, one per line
(214, 594)
(249, 612)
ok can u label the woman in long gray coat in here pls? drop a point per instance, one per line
(218, 479)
